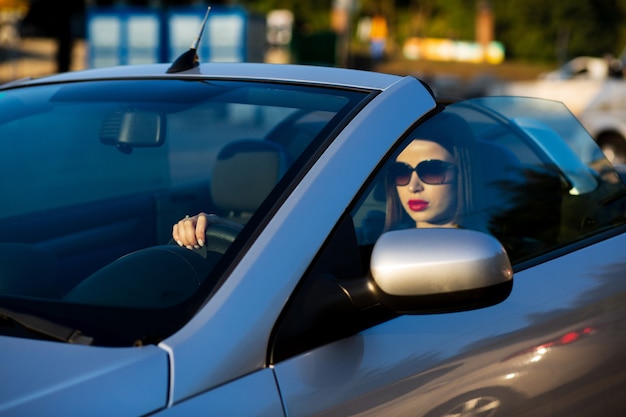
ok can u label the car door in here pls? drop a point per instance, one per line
(555, 346)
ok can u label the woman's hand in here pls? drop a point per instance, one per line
(190, 231)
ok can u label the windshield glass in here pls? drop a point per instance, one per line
(95, 175)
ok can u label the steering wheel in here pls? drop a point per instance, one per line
(219, 236)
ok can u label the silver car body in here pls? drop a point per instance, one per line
(217, 364)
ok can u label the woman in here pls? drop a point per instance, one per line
(433, 181)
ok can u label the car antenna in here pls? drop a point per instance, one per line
(189, 59)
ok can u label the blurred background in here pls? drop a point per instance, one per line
(461, 47)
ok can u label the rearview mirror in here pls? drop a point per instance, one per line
(129, 129)
(438, 270)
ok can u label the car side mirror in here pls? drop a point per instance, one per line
(416, 271)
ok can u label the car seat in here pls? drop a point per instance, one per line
(245, 172)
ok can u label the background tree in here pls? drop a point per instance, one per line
(560, 29)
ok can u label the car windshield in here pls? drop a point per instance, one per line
(96, 173)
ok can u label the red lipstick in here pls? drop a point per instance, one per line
(418, 205)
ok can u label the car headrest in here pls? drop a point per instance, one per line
(245, 173)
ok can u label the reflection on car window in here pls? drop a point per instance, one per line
(525, 172)
(96, 173)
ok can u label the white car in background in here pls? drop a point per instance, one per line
(582, 67)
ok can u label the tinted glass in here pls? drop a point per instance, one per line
(95, 174)
(529, 174)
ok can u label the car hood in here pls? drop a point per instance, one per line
(40, 376)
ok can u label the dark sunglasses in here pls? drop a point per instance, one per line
(432, 171)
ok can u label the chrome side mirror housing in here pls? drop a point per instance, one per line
(417, 271)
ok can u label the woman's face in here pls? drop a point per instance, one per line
(430, 205)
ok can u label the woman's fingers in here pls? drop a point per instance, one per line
(190, 231)
(185, 232)
(200, 229)
(176, 235)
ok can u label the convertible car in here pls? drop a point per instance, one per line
(303, 301)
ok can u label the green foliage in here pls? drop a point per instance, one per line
(454, 19)
(560, 29)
